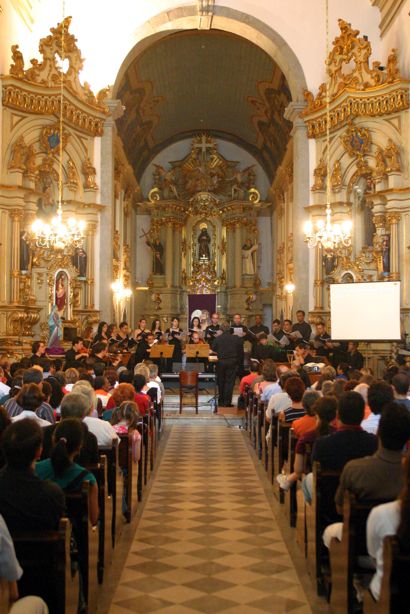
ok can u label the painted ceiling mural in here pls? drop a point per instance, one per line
(204, 81)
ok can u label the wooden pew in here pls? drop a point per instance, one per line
(147, 447)
(4, 595)
(290, 495)
(271, 448)
(114, 493)
(260, 426)
(86, 539)
(344, 554)
(281, 453)
(248, 410)
(319, 514)
(45, 559)
(105, 519)
(395, 585)
(141, 463)
(129, 482)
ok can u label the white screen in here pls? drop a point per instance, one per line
(365, 311)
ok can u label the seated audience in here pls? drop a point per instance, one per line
(102, 387)
(61, 469)
(401, 385)
(71, 377)
(378, 396)
(5, 422)
(324, 410)
(13, 407)
(248, 379)
(38, 351)
(327, 374)
(281, 400)
(30, 399)
(295, 388)
(74, 405)
(123, 392)
(268, 377)
(389, 519)
(102, 429)
(342, 371)
(350, 440)
(307, 422)
(125, 420)
(141, 398)
(376, 477)
(26, 502)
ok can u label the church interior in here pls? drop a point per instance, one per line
(204, 306)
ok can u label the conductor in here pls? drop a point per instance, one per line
(228, 349)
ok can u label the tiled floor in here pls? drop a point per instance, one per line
(207, 540)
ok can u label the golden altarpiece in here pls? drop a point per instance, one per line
(203, 234)
(33, 277)
(369, 154)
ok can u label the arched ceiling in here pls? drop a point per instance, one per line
(197, 81)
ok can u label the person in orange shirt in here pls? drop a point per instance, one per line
(308, 422)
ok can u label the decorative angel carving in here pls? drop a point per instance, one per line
(392, 156)
(17, 67)
(89, 173)
(18, 155)
(380, 168)
(336, 176)
(319, 173)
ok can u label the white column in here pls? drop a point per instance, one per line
(16, 218)
(301, 196)
(104, 266)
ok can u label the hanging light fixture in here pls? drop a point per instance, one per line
(58, 235)
(326, 234)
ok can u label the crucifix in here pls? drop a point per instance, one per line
(203, 146)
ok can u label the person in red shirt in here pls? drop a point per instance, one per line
(248, 379)
(141, 398)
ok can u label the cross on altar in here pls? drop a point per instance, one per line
(204, 145)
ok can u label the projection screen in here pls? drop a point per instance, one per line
(365, 311)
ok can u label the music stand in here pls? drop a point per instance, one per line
(197, 350)
(161, 351)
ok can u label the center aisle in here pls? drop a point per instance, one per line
(207, 540)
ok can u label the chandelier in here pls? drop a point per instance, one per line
(325, 234)
(58, 235)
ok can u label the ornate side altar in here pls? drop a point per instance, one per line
(203, 234)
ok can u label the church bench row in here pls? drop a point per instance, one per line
(46, 554)
(332, 570)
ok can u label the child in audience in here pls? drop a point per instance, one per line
(61, 468)
(125, 420)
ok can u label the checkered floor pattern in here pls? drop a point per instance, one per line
(207, 540)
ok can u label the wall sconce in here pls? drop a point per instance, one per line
(289, 287)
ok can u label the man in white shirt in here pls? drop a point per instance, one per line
(102, 429)
(379, 394)
(383, 520)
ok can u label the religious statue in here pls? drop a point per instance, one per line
(392, 156)
(17, 67)
(248, 266)
(157, 255)
(18, 155)
(336, 176)
(320, 173)
(60, 297)
(72, 180)
(204, 253)
(55, 326)
(89, 173)
(31, 166)
(393, 72)
(25, 255)
(380, 164)
(80, 262)
(385, 245)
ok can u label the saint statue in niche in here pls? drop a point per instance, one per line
(80, 262)
(204, 253)
(386, 254)
(248, 265)
(61, 287)
(157, 255)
